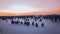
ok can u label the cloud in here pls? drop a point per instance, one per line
(40, 4)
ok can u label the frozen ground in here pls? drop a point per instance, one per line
(49, 28)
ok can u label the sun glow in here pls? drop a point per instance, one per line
(20, 9)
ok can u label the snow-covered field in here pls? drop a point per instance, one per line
(49, 28)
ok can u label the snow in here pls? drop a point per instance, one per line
(49, 28)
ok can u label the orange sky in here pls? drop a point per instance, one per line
(57, 11)
(45, 7)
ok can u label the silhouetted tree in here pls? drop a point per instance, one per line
(36, 25)
(42, 25)
(14, 22)
(27, 23)
(33, 23)
(59, 19)
(51, 19)
(40, 19)
(21, 22)
(55, 20)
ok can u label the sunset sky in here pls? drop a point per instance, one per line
(29, 7)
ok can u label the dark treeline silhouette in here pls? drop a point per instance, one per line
(14, 22)
(50, 17)
(26, 22)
